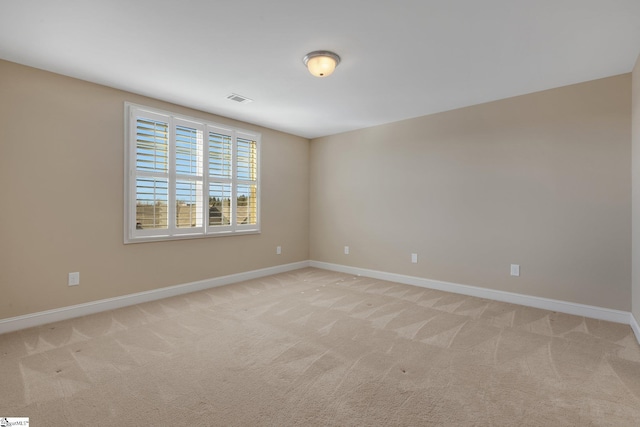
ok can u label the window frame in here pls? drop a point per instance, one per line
(173, 231)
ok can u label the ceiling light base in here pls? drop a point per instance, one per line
(321, 63)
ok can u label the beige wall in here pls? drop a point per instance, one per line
(61, 144)
(541, 180)
(635, 129)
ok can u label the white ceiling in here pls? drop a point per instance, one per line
(400, 59)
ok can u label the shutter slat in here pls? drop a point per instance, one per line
(189, 200)
(188, 151)
(219, 155)
(219, 204)
(246, 159)
(152, 147)
(247, 204)
(152, 196)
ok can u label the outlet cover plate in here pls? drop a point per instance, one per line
(74, 279)
(515, 270)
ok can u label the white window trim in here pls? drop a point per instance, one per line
(131, 234)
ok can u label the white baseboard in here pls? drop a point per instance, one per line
(64, 313)
(635, 326)
(509, 297)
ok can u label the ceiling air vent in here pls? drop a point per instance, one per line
(239, 98)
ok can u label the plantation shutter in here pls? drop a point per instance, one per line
(151, 172)
(247, 179)
(189, 176)
(220, 166)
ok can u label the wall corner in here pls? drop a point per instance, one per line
(635, 197)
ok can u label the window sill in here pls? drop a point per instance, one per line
(150, 239)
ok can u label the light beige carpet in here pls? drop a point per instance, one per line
(313, 347)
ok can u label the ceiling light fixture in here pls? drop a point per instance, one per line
(321, 63)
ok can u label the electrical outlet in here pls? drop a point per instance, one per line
(74, 279)
(515, 269)
(278, 250)
(346, 250)
(414, 258)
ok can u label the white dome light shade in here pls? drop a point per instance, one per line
(321, 63)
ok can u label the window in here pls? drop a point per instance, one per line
(188, 178)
